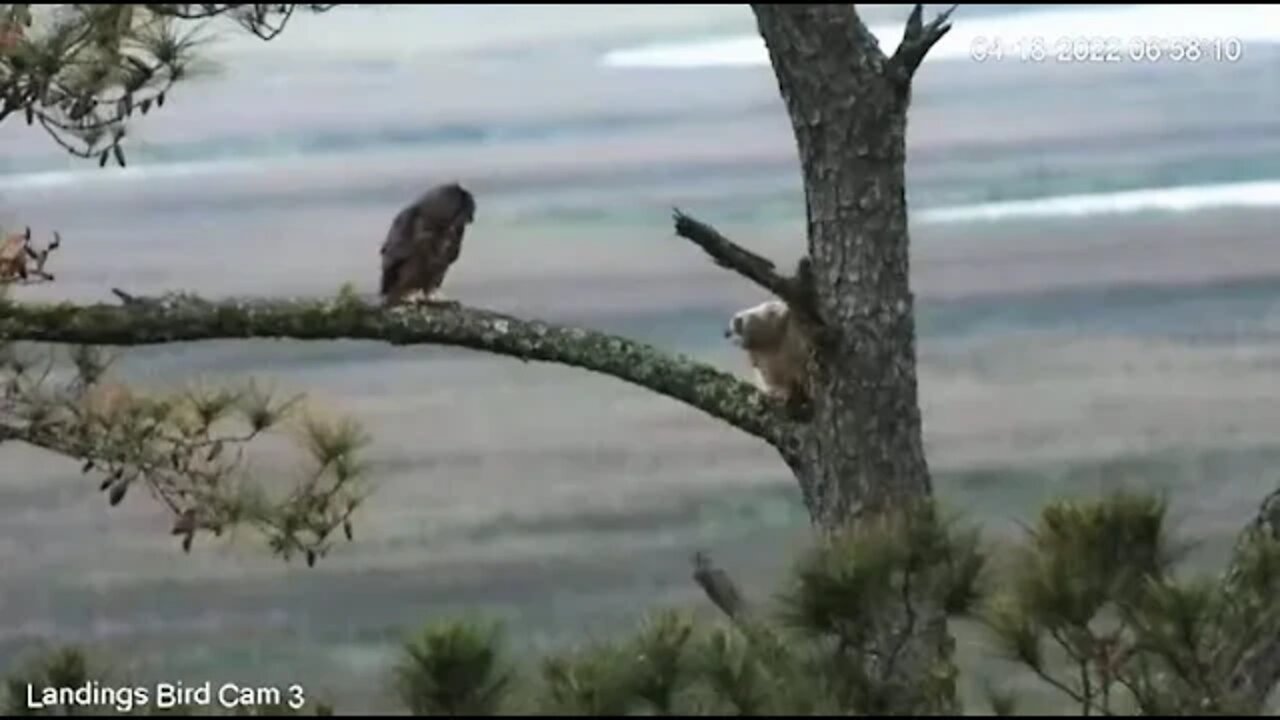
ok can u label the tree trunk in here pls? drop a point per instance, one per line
(863, 450)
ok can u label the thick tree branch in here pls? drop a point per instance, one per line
(756, 268)
(918, 39)
(855, 45)
(176, 318)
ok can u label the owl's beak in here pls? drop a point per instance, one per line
(728, 333)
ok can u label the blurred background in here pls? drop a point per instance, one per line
(1094, 249)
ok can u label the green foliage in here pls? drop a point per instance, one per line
(190, 449)
(1092, 606)
(60, 668)
(808, 664)
(850, 574)
(589, 681)
(80, 72)
(453, 668)
(660, 660)
(863, 590)
(737, 679)
(1089, 604)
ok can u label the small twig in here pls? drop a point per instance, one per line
(1086, 700)
(272, 32)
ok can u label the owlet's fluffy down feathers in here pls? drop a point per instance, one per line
(424, 241)
(777, 346)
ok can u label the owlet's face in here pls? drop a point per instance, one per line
(757, 328)
(734, 330)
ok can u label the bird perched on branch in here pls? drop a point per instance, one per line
(425, 239)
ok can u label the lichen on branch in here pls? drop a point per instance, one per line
(186, 318)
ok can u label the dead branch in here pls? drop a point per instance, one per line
(185, 318)
(756, 268)
(719, 587)
(917, 40)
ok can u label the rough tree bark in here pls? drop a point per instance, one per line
(1252, 651)
(864, 450)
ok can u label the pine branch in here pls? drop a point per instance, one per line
(256, 18)
(184, 318)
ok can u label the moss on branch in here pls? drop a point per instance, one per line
(184, 318)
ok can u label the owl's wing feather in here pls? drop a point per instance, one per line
(453, 241)
(437, 249)
(397, 248)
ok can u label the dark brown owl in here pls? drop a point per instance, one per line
(425, 239)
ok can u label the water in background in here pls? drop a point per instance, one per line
(1094, 249)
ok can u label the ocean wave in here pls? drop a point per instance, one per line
(240, 151)
(1190, 198)
(136, 173)
(944, 204)
(1171, 311)
(1245, 23)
